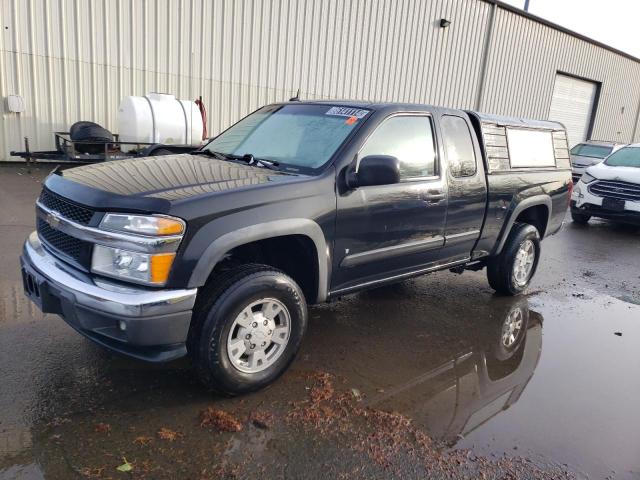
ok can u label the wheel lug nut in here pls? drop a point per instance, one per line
(270, 332)
(264, 343)
(265, 323)
(253, 345)
(248, 336)
(255, 324)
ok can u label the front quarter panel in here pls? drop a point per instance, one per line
(305, 208)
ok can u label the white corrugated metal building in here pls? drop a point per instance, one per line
(76, 59)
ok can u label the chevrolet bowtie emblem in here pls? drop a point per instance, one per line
(52, 220)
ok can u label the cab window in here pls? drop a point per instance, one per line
(456, 138)
(410, 139)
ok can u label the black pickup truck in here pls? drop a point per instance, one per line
(216, 253)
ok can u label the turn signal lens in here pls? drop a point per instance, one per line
(168, 226)
(161, 266)
(142, 224)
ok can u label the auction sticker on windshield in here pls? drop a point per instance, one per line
(347, 112)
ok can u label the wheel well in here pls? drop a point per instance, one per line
(537, 215)
(295, 255)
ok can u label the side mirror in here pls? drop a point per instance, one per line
(375, 170)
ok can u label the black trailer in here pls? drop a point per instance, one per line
(73, 151)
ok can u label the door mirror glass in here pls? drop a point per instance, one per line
(375, 170)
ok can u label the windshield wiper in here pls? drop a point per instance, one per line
(248, 158)
(218, 155)
(259, 162)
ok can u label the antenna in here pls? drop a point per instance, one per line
(297, 97)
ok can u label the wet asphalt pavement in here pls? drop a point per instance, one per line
(407, 381)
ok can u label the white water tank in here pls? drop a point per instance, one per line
(159, 118)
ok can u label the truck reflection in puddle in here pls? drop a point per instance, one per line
(477, 382)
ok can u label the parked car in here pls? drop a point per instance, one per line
(610, 189)
(586, 154)
(217, 254)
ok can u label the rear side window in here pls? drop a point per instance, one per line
(410, 140)
(530, 148)
(457, 141)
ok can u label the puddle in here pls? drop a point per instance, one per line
(580, 406)
(543, 379)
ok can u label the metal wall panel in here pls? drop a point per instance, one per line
(75, 59)
(524, 57)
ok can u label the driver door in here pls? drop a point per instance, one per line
(389, 230)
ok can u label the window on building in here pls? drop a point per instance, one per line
(458, 145)
(409, 138)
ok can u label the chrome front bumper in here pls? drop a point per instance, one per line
(136, 321)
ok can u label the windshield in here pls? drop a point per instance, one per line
(588, 150)
(297, 137)
(625, 157)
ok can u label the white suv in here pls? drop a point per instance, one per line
(589, 153)
(610, 189)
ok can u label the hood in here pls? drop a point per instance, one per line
(171, 177)
(154, 183)
(623, 174)
(582, 161)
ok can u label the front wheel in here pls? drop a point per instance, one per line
(511, 272)
(247, 329)
(580, 218)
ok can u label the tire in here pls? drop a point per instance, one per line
(89, 132)
(215, 327)
(500, 269)
(76, 127)
(580, 218)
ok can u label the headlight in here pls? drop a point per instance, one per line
(142, 224)
(151, 269)
(586, 178)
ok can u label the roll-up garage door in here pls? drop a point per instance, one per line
(572, 104)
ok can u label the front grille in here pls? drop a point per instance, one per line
(74, 249)
(65, 208)
(616, 189)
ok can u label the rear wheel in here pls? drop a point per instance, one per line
(580, 218)
(511, 272)
(247, 328)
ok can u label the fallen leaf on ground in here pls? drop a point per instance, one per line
(125, 467)
(102, 428)
(142, 440)
(223, 421)
(91, 472)
(261, 419)
(167, 434)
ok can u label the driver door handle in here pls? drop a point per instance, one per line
(433, 197)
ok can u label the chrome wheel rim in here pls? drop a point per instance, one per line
(523, 264)
(259, 335)
(511, 328)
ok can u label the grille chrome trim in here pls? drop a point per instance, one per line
(615, 189)
(71, 249)
(136, 243)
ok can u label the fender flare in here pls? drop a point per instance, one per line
(519, 208)
(261, 231)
